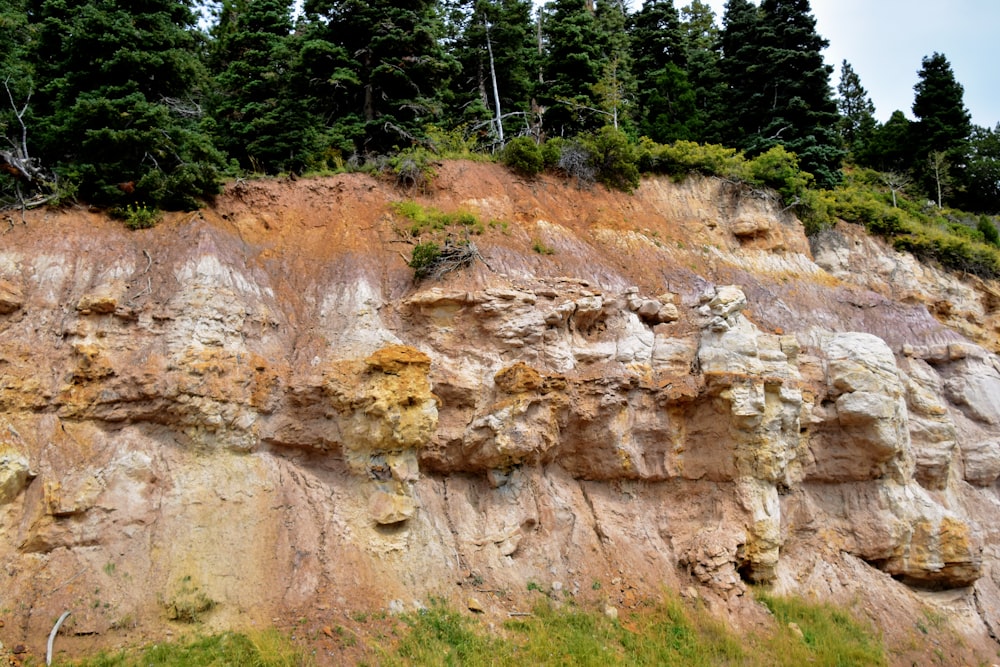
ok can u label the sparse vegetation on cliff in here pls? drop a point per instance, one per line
(666, 633)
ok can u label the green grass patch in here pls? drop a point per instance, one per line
(424, 219)
(670, 632)
(268, 648)
(830, 636)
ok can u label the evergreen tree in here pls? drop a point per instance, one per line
(666, 99)
(799, 110)
(615, 89)
(890, 148)
(701, 48)
(777, 86)
(383, 69)
(983, 175)
(742, 74)
(259, 121)
(117, 108)
(572, 65)
(857, 113)
(943, 124)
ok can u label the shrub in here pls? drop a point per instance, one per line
(413, 168)
(424, 258)
(613, 158)
(552, 152)
(989, 231)
(684, 157)
(137, 216)
(523, 156)
(574, 161)
(779, 169)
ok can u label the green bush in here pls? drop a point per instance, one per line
(685, 157)
(424, 219)
(137, 216)
(613, 158)
(413, 168)
(779, 169)
(523, 156)
(989, 231)
(552, 152)
(424, 258)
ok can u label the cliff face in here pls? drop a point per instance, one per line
(251, 413)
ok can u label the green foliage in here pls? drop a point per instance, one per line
(830, 636)
(424, 258)
(496, 49)
(988, 229)
(524, 156)
(423, 219)
(779, 169)
(441, 636)
(412, 168)
(137, 216)
(256, 649)
(779, 86)
(613, 158)
(541, 249)
(571, 67)
(686, 157)
(259, 120)
(381, 70)
(666, 99)
(116, 110)
(668, 633)
(857, 113)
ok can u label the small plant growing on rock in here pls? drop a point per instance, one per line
(137, 216)
(430, 260)
(541, 248)
(189, 603)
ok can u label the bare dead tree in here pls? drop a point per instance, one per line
(18, 163)
(895, 181)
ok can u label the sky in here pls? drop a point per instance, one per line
(886, 40)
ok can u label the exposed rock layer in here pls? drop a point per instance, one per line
(252, 410)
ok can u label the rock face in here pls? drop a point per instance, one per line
(252, 411)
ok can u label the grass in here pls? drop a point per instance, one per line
(670, 632)
(428, 219)
(267, 648)
(830, 636)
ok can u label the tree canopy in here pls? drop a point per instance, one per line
(146, 103)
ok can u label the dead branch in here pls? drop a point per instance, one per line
(452, 256)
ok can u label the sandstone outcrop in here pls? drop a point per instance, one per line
(252, 411)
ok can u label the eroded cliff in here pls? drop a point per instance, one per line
(251, 413)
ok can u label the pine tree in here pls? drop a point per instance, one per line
(890, 148)
(666, 99)
(118, 110)
(702, 51)
(384, 67)
(572, 65)
(615, 90)
(258, 120)
(742, 74)
(857, 113)
(784, 85)
(983, 176)
(943, 124)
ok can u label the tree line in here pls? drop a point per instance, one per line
(149, 102)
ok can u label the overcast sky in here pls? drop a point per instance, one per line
(885, 41)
